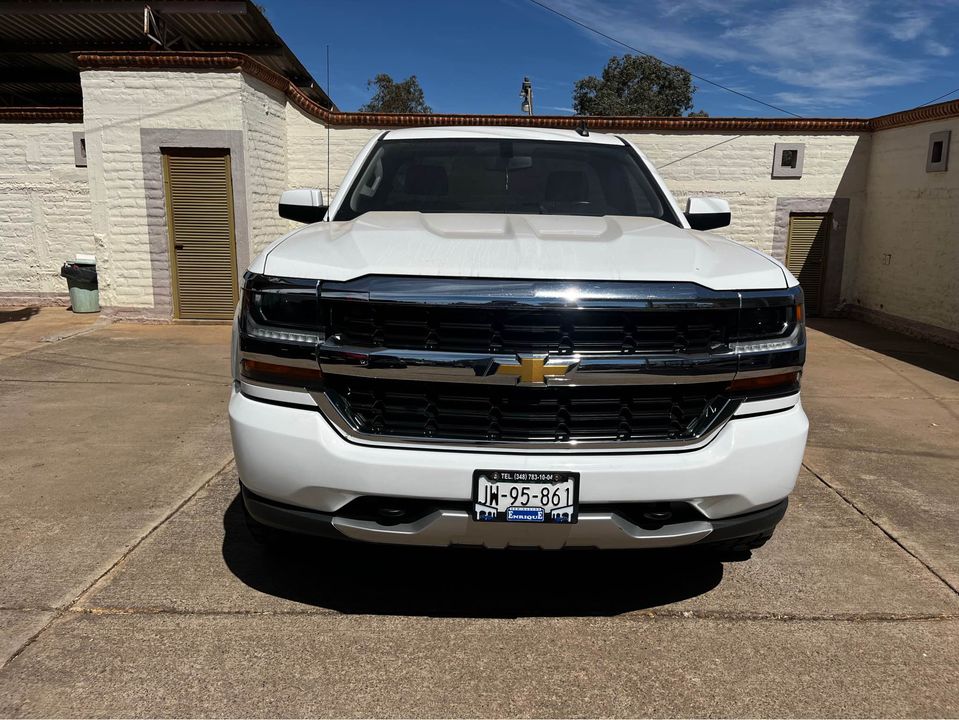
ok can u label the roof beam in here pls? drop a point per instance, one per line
(39, 76)
(92, 45)
(58, 47)
(8, 99)
(82, 7)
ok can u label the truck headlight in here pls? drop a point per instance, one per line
(768, 324)
(770, 340)
(279, 329)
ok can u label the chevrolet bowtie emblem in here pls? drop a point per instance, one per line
(535, 370)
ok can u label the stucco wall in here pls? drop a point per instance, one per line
(908, 266)
(45, 214)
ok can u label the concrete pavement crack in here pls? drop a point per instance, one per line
(100, 324)
(846, 499)
(26, 608)
(71, 606)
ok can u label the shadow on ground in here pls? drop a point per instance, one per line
(465, 582)
(929, 356)
(19, 314)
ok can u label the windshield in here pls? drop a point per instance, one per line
(505, 176)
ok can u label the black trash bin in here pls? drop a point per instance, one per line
(82, 283)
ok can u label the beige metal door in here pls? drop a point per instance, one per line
(199, 197)
(806, 255)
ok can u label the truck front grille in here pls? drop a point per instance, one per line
(490, 413)
(504, 330)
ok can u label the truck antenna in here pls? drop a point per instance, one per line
(581, 128)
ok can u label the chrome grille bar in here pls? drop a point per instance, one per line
(506, 369)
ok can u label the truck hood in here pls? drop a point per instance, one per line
(518, 246)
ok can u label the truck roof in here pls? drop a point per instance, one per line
(500, 133)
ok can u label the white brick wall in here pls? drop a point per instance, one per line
(307, 151)
(117, 104)
(265, 148)
(739, 168)
(45, 213)
(913, 219)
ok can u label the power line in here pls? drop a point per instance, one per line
(646, 54)
(736, 137)
(930, 102)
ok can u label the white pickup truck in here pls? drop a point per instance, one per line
(515, 337)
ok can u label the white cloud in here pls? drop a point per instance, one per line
(823, 52)
(851, 80)
(795, 98)
(937, 48)
(834, 56)
(808, 103)
(909, 25)
(716, 10)
(644, 29)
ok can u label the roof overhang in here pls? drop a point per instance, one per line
(38, 40)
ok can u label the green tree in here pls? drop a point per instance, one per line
(396, 97)
(635, 85)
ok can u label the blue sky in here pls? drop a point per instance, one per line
(814, 58)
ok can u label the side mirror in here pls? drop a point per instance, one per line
(707, 213)
(302, 205)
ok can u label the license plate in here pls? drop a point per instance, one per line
(525, 496)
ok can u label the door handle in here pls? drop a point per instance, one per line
(177, 246)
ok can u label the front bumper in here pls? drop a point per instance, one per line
(454, 527)
(297, 471)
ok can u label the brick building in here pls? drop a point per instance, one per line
(94, 173)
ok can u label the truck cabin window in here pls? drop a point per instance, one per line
(505, 176)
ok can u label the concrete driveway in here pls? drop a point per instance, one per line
(129, 586)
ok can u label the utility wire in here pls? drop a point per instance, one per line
(930, 102)
(646, 54)
(736, 137)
